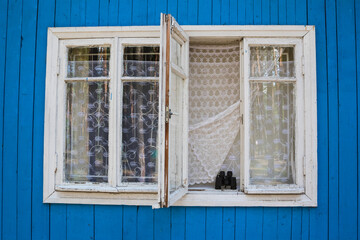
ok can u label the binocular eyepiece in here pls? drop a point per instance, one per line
(223, 181)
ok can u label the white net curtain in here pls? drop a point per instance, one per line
(214, 108)
(214, 122)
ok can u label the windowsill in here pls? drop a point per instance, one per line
(207, 198)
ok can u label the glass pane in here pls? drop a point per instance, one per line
(176, 133)
(176, 52)
(141, 61)
(139, 131)
(87, 121)
(272, 133)
(88, 62)
(272, 61)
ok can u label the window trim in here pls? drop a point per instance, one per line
(309, 198)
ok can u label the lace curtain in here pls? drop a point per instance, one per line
(272, 116)
(214, 108)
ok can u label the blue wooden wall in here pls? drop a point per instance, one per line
(23, 29)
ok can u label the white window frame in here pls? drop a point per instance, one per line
(193, 198)
(296, 43)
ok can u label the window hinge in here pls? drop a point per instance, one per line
(242, 119)
(167, 114)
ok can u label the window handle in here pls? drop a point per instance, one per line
(168, 114)
(173, 113)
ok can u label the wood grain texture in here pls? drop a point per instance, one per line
(23, 29)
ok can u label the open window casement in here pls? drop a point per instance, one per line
(174, 80)
(273, 116)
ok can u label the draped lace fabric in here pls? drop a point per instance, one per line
(214, 109)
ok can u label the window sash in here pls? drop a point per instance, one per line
(298, 186)
(63, 80)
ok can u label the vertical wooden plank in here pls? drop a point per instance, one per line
(40, 217)
(195, 223)
(204, 12)
(257, 12)
(301, 12)
(182, 12)
(92, 13)
(78, 17)
(274, 12)
(241, 12)
(254, 223)
(233, 20)
(3, 31)
(108, 222)
(193, 8)
(319, 215)
(265, 12)
(240, 223)
(305, 224)
(104, 13)
(160, 7)
(62, 13)
(225, 12)
(178, 223)
(119, 12)
(26, 99)
(228, 222)
(11, 111)
(145, 223)
(333, 103)
(162, 224)
(290, 12)
(284, 223)
(347, 120)
(173, 8)
(129, 222)
(139, 12)
(296, 224)
(58, 222)
(152, 17)
(80, 222)
(357, 36)
(213, 228)
(282, 11)
(270, 223)
(249, 12)
(216, 9)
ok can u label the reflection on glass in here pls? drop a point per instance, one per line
(272, 62)
(176, 133)
(87, 121)
(88, 62)
(175, 52)
(139, 131)
(272, 133)
(141, 61)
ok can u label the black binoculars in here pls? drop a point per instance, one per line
(223, 181)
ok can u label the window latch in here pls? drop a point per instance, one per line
(168, 114)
